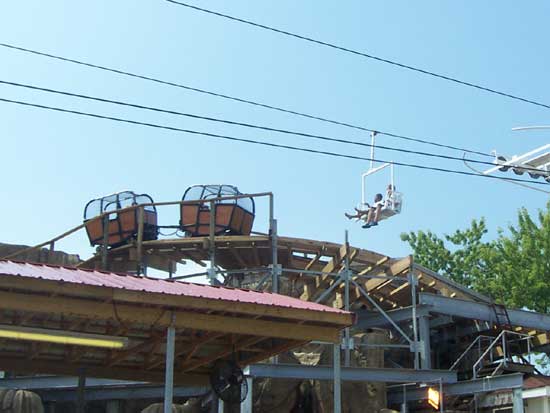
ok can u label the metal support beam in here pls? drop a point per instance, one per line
(246, 405)
(483, 385)
(484, 312)
(347, 349)
(381, 310)
(81, 393)
(387, 375)
(169, 369)
(112, 406)
(337, 379)
(116, 392)
(414, 282)
(517, 400)
(370, 319)
(274, 258)
(425, 348)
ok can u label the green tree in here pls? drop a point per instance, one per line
(514, 268)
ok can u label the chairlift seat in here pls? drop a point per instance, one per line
(391, 207)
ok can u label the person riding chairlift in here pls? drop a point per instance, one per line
(373, 212)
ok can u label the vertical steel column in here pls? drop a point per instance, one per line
(212, 244)
(274, 259)
(404, 404)
(105, 246)
(337, 379)
(169, 367)
(112, 406)
(413, 282)
(441, 402)
(81, 392)
(246, 405)
(347, 349)
(425, 348)
(517, 401)
(139, 247)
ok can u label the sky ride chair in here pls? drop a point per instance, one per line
(232, 216)
(393, 202)
(122, 226)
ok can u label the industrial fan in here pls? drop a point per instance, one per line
(228, 381)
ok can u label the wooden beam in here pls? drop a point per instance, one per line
(191, 365)
(238, 257)
(169, 300)
(159, 317)
(271, 352)
(191, 348)
(119, 356)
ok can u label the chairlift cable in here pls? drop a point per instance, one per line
(251, 141)
(249, 125)
(241, 100)
(363, 54)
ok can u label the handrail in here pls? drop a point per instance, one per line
(478, 338)
(497, 339)
(131, 207)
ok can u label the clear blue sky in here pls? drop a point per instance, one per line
(52, 164)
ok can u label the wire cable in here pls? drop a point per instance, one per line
(255, 142)
(241, 100)
(249, 125)
(362, 54)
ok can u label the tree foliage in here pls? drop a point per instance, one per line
(514, 268)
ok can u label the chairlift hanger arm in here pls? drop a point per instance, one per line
(514, 161)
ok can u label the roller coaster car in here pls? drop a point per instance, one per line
(232, 216)
(122, 225)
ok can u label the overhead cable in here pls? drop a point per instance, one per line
(362, 54)
(256, 142)
(249, 125)
(241, 100)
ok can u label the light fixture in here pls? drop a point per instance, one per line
(61, 337)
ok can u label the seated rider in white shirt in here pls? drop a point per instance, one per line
(372, 213)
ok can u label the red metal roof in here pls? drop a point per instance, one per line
(154, 285)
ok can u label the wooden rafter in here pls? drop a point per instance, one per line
(191, 365)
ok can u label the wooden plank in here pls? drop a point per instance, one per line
(159, 317)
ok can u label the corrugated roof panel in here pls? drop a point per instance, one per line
(154, 285)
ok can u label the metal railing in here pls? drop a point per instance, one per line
(479, 342)
(501, 339)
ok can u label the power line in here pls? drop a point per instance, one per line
(362, 54)
(249, 125)
(241, 100)
(256, 142)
